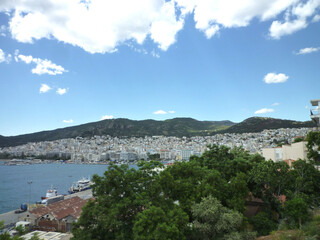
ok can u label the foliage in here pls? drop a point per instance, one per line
(298, 139)
(313, 145)
(228, 161)
(304, 179)
(158, 224)
(269, 181)
(154, 157)
(296, 211)
(263, 223)
(214, 221)
(200, 199)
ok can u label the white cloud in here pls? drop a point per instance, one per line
(43, 66)
(171, 112)
(296, 18)
(101, 26)
(68, 121)
(4, 57)
(161, 112)
(264, 110)
(96, 26)
(275, 78)
(275, 104)
(61, 91)
(107, 117)
(316, 18)
(308, 50)
(44, 88)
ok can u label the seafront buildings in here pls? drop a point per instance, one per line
(123, 150)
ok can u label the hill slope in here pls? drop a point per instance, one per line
(172, 127)
(258, 124)
(123, 127)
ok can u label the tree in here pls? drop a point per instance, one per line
(305, 180)
(296, 210)
(228, 161)
(263, 223)
(270, 180)
(156, 224)
(119, 196)
(214, 221)
(313, 145)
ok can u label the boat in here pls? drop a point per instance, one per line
(81, 185)
(52, 192)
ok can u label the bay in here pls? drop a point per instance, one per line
(15, 189)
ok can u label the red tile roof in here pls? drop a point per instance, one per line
(62, 209)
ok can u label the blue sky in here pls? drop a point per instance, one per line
(65, 63)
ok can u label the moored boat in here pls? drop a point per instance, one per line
(81, 185)
(52, 192)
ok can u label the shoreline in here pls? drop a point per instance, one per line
(23, 162)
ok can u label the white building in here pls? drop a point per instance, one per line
(294, 151)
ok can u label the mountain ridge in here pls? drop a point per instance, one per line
(123, 127)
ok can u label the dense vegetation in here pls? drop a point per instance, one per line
(204, 198)
(173, 127)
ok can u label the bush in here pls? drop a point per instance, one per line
(262, 223)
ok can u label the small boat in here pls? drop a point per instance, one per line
(81, 185)
(52, 192)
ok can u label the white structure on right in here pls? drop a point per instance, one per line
(314, 113)
(291, 152)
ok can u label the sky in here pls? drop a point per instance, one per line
(65, 63)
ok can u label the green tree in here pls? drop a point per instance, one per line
(270, 180)
(304, 182)
(296, 210)
(228, 161)
(313, 145)
(156, 224)
(214, 221)
(119, 196)
(263, 223)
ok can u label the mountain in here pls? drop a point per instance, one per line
(124, 127)
(258, 124)
(178, 127)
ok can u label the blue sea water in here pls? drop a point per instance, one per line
(15, 189)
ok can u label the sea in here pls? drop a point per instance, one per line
(28, 183)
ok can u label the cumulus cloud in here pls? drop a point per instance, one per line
(61, 91)
(308, 50)
(264, 110)
(101, 26)
(275, 104)
(44, 88)
(68, 121)
(107, 117)
(4, 57)
(298, 17)
(275, 78)
(96, 26)
(43, 66)
(162, 112)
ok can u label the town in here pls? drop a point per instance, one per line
(105, 149)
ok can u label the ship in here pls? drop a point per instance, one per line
(52, 192)
(81, 185)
